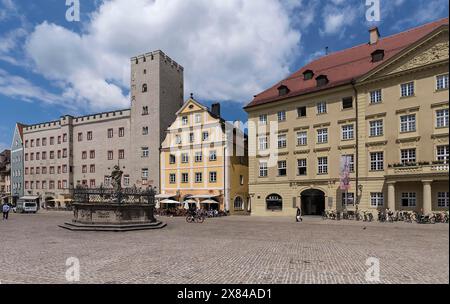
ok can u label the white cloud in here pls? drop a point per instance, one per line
(7, 9)
(10, 43)
(230, 50)
(426, 11)
(338, 15)
(19, 87)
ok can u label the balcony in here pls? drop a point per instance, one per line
(423, 168)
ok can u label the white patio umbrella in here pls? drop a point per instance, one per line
(168, 201)
(157, 205)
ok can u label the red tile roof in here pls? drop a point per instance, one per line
(344, 66)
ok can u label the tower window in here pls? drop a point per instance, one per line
(144, 88)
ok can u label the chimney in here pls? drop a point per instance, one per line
(374, 35)
(215, 109)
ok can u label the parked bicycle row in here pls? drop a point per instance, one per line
(176, 212)
(388, 216)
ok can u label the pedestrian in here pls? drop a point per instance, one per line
(298, 218)
(5, 210)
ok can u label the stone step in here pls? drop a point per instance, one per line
(112, 227)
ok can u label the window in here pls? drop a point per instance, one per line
(322, 136)
(198, 177)
(144, 130)
(92, 168)
(144, 88)
(408, 123)
(59, 154)
(121, 154)
(26, 144)
(322, 167)
(347, 103)
(263, 143)
(185, 178)
(38, 170)
(348, 199)
(172, 178)
(442, 82)
(126, 180)
(301, 167)
(205, 136)
(263, 119)
(408, 156)
(321, 107)
(107, 181)
(282, 142)
(347, 132)
(44, 185)
(376, 128)
(144, 152)
(407, 89)
(38, 142)
(44, 170)
(238, 203)
(274, 202)
(64, 155)
(282, 168)
(144, 173)
(409, 199)
(184, 120)
(44, 142)
(110, 133)
(64, 137)
(178, 139)
(198, 157)
(92, 183)
(121, 132)
(89, 135)
(92, 154)
(145, 110)
(52, 170)
(198, 118)
(376, 161)
(351, 161)
(80, 136)
(281, 115)
(302, 138)
(191, 137)
(172, 159)
(185, 158)
(110, 155)
(38, 155)
(212, 156)
(442, 153)
(213, 177)
(83, 155)
(64, 169)
(442, 118)
(301, 112)
(52, 140)
(443, 199)
(263, 169)
(31, 156)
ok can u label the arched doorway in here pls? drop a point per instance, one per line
(274, 202)
(313, 202)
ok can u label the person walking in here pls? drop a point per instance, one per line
(298, 218)
(5, 210)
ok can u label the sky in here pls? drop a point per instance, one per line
(231, 50)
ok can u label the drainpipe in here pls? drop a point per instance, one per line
(357, 142)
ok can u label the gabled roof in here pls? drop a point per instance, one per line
(344, 66)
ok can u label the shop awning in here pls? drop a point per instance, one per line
(203, 196)
(165, 195)
(29, 197)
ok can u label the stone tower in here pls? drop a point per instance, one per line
(156, 95)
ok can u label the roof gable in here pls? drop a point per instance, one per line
(191, 105)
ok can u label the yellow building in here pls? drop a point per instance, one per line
(381, 106)
(204, 159)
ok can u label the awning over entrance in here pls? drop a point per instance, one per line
(203, 196)
(165, 196)
(29, 197)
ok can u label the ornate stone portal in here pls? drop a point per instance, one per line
(113, 209)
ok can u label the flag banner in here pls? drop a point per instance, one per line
(345, 172)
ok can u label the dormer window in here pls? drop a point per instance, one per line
(308, 74)
(283, 90)
(322, 80)
(378, 55)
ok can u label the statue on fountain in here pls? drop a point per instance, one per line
(116, 179)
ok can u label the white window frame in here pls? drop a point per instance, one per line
(172, 178)
(376, 128)
(442, 153)
(184, 178)
(411, 197)
(408, 156)
(302, 163)
(198, 117)
(184, 158)
(376, 161)
(302, 138)
(348, 132)
(213, 177)
(212, 155)
(263, 169)
(184, 121)
(322, 136)
(442, 120)
(282, 141)
(442, 82)
(322, 165)
(376, 199)
(198, 157)
(321, 107)
(443, 199)
(198, 177)
(263, 119)
(408, 123)
(263, 143)
(281, 115)
(407, 89)
(376, 96)
(282, 165)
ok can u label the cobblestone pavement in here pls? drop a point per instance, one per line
(224, 250)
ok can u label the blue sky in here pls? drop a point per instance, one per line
(231, 50)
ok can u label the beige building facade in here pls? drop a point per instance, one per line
(380, 109)
(71, 151)
(204, 160)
